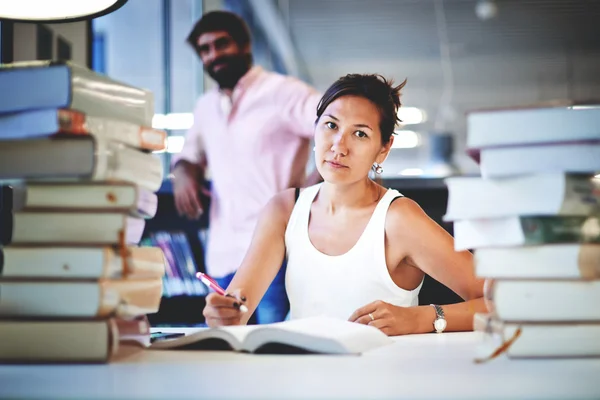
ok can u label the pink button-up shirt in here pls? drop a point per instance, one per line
(256, 145)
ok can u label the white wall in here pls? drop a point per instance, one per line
(134, 50)
(134, 46)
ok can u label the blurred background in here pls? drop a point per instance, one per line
(458, 55)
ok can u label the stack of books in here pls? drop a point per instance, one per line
(75, 286)
(533, 220)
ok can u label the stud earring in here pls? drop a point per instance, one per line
(377, 168)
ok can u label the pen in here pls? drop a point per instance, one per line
(211, 283)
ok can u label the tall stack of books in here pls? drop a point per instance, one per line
(77, 147)
(533, 220)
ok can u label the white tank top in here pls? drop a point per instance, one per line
(335, 286)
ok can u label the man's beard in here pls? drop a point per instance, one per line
(232, 68)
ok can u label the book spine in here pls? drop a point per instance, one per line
(179, 264)
(56, 341)
(174, 280)
(186, 265)
(55, 263)
(200, 288)
(86, 197)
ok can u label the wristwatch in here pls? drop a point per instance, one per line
(440, 322)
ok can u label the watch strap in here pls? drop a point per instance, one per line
(439, 311)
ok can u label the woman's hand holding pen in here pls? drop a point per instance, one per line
(222, 308)
(391, 320)
(225, 309)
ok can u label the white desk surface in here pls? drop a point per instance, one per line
(415, 367)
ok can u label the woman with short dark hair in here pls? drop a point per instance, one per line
(355, 249)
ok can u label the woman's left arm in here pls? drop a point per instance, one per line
(427, 246)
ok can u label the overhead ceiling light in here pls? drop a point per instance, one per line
(55, 11)
(175, 144)
(486, 9)
(173, 121)
(411, 172)
(406, 140)
(411, 115)
(584, 107)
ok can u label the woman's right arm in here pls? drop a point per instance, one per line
(259, 267)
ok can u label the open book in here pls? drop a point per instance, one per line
(309, 335)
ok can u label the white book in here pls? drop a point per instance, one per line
(98, 197)
(79, 159)
(528, 125)
(81, 262)
(500, 162)
(556, 261)
(540, 194)
(315, 335)
(525, 231)
(35, 85)
(69, 228)
(79, 299)
(51, 122)
(527, 300)
(538, 340)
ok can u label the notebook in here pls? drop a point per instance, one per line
(308, 335)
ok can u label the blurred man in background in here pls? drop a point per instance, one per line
(254, 133)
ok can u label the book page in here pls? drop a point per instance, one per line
(319, 334)
(230, 335)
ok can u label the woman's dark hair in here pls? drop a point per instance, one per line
(215, 21)
(373, 87)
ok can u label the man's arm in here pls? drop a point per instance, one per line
(188, 169)
(188, 184)
(301, 104)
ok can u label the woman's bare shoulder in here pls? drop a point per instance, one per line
(403, 214)
(281, 205)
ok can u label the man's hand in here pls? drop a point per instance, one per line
(186, 185)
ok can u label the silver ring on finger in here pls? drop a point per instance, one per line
(371, 316)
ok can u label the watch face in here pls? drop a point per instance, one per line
(439, 325)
